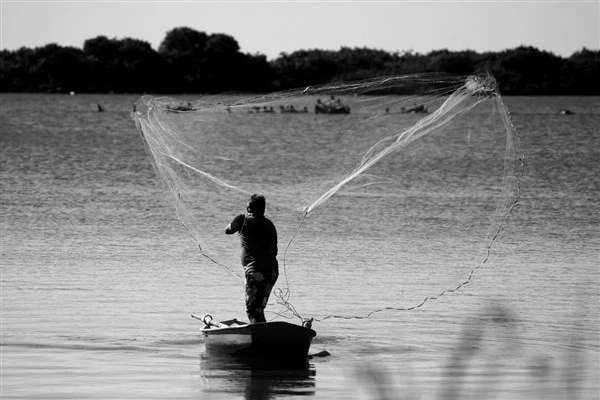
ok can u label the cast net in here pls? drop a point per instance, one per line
(397, 184)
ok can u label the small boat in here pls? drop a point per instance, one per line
(264, 339)
(290, 109)
(415, 109)
(321, 108)
(565, 111)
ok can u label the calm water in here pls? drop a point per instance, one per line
(98, 278)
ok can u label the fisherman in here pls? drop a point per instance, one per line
(259, 255)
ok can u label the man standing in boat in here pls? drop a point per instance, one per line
(259, 255)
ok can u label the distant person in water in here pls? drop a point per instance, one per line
(259, 255)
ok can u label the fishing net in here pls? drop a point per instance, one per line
(401, 182)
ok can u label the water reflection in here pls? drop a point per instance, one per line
(257, 378)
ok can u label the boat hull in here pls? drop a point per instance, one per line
(265, 339)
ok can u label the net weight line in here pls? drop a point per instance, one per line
(517, 185)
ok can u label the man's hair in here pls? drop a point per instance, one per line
(256, 204)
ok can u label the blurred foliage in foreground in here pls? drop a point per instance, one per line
(492, 359)
(189, 61)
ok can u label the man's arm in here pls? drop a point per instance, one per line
(235, 225)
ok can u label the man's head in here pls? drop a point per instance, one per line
(256, 205)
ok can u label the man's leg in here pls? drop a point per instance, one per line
(269, 282)
(258, 290)
(255, 293)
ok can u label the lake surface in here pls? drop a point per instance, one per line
(98, 278)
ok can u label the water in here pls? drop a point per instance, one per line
(98, 278)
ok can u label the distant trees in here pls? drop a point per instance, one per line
(523, 70)
(195, 62)
(580, 73)
(527, 70)
(310, 67)
(127, 65)
(183, 50)
(462, 62)
(44, 69)
(103, 65)
(212, 63)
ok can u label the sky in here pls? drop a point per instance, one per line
(273, 27)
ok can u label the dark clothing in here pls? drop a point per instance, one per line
(259, 259)
(259, 241)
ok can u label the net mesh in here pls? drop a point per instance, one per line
(405, 180)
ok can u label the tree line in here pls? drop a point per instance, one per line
(190, 61)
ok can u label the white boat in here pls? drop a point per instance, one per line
(264, 339)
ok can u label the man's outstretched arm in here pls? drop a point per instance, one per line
(235, 225)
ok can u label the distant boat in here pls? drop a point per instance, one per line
(263, 339)
(290, 109)
(565, 112)
(321, 108)
(414, 109)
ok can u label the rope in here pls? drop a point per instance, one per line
(283, 295)
(177, 213)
